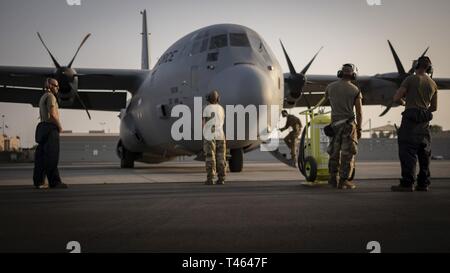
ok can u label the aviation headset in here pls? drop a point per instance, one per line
(425, 62)
(208, 97)
(340, 73)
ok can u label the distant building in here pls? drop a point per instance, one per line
(10, 144)
(91, 147)
(14, 144)
(443, 134)
(2, 143)
(386, 131)
(97, 146)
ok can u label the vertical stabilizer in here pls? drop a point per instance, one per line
(145, 59)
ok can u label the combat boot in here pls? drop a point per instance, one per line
(209, 182)
(421, 188)
(332, 181)
(294, 163)
(346, 185)
(401, 188)
(404, 186)
(220, 181)
(41, 187)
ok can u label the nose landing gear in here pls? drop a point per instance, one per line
(236, 162)
(127, 158)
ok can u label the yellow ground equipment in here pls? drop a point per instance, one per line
(313, 156)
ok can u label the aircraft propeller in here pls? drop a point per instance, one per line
(66, 75)
(402, 74)
(297, 81)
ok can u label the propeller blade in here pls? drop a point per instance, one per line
(387, 109)
(413, 68)
(55, 62)
(79, 47)
(291, 66)
(310, 62)
(398, 63)
(82, 104)
(425, 52)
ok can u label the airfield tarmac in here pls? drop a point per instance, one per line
(166, 208)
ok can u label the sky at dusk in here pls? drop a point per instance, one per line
(349, 30)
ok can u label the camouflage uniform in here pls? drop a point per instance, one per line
(342, 150)
(214, 147)
(292, 138)
(343, 146)
(215, 159)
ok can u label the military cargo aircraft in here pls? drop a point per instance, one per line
(230, 58)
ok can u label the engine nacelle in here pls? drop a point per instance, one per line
(68, 85)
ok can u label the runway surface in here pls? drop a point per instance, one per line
(166, 208)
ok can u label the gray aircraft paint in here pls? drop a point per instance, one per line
(256, 80)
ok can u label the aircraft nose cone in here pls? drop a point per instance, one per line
(249, 86)
(243, 84)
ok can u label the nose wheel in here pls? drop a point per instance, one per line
(126, 157)
(236, 161)
(127, 161)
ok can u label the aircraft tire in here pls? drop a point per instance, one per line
(127, 160)
(236, 161)
(310, 169)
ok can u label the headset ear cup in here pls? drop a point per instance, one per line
(339, 74)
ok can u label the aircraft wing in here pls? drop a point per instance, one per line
(315, 87)
(111, 79)
(442, 83)
(318, 83)
(24, 85)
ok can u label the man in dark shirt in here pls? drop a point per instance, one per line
(418, 93)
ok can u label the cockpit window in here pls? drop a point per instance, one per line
(256, 42)
(239, 39)
(199, 46)
(218, 41)
(196, 47)
(204, 45)
(202, 35)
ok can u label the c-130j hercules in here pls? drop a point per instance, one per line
(230, 58)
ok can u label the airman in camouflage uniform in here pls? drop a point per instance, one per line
(342, 150)
(292, 138)
(344, 96)
(214, 143)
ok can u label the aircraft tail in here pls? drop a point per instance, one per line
(145, 57)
